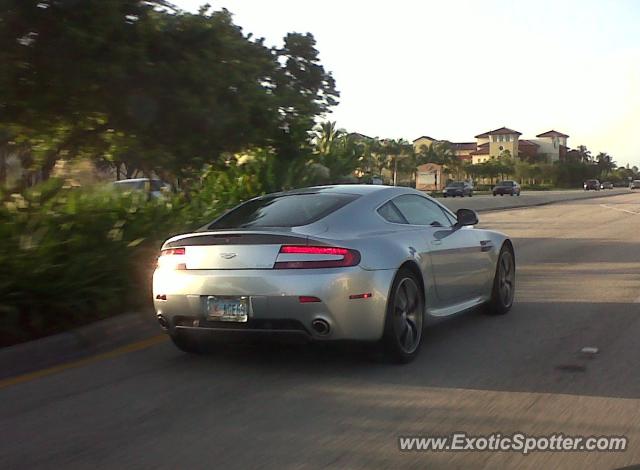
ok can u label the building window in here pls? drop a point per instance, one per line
(494, 138)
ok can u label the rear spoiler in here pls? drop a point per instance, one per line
(236, 238)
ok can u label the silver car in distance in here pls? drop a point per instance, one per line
(345, 262)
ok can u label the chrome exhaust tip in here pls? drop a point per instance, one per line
(321, 327)
(164, 323)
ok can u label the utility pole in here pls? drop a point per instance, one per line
(395, 170)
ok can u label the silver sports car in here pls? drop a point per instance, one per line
(346, 262)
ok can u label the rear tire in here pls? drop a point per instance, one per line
(504, 282)
(404, 320)
(186, 343)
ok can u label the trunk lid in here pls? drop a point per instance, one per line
(233, 249)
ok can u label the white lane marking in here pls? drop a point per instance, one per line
(619, 209)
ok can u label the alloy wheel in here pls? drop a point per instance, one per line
(407, 315)
(506, 278)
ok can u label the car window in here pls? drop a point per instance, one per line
(290, 210)
(390, 213)
(129, 185)
(418, 210)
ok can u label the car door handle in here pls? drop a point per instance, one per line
(436, 242)
(486, 245)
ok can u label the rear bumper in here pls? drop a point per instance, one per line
(274, 306)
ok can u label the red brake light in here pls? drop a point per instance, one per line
(172, 263)
(307, 253)
(173, 251)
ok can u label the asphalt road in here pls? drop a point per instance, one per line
(527, 198)
(301, 407)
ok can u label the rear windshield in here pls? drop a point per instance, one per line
(291, 210)
(505, 183)
(456, 185)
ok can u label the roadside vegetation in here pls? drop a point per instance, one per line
(144, 89)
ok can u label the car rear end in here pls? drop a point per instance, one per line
(275, 282)
(453, 190)
(503, 188)
(591, 185)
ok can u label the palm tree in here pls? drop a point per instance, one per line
(397, 152)
(442, 153)
(584, 152)
(605, 163)
(325, 135)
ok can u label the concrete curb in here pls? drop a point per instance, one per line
(94, 338)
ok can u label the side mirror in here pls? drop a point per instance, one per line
(466, 217)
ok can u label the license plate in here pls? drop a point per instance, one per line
(226, 308)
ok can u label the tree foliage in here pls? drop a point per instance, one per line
(152, 88)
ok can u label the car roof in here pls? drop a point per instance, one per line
(135, 180)
(359, 189)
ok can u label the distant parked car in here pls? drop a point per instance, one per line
(591, 185)
(507, 187)
(606, 185)
(154, 187)
(458, 188)
(635, 184)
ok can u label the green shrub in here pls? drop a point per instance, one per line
(70, 256)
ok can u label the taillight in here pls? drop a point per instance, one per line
(173, 251)
(309, 257)
(172, 258)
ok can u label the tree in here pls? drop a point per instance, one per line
(336, 151)
(154, 89)
(325, 137)
(604, 163)
(398, 154)
(584, 153)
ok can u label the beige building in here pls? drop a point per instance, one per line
(431, 177)
(462, 150)
(550, 146)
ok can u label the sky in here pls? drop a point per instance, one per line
(456, 68)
